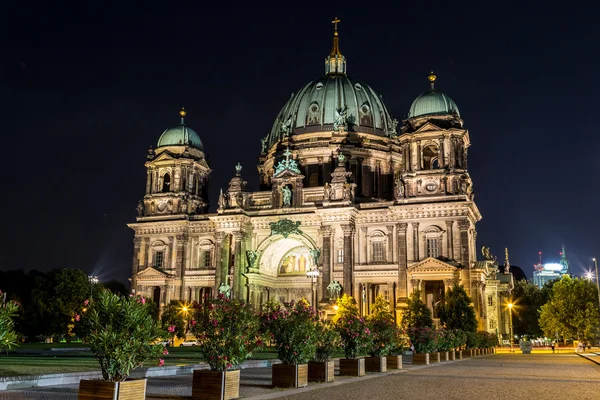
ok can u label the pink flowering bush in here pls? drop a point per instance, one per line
(445, 339)
(121, 332)
(355, 335)
(328, 342)
(227, 330)
(293, 328)
(424, 339)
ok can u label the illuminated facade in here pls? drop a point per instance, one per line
(377, 208)
(544, 273)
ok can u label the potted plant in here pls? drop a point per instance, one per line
(383, 335)
(399, 343)
(460, 341)
(293, 328)
(445, 343)
(227, 331)
(356, 342)
(424, 341)
(321, 368)
(123, 335)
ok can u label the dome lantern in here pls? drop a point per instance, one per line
(433, 102)
(335, 63)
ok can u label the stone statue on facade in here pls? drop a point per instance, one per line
(225, 290)
(340, 120)
(222, 201)
(287, 196)
(334, 288)
(487, 254)
(400, 188)
(348, 191)
(392, 128)
(264, 142)
(140, 208)
(326, 192)
(251, 257)
(286, 127)
(315, 254)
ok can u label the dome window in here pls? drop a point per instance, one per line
(319, 86)
(166, 184)
(357, 86)
(366, 119)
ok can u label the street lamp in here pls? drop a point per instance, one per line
(313, 274)
(510, 306)
(597, 283)
(93, 280)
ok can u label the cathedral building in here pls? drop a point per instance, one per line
(349, 202)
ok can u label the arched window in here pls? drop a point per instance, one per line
(378, 246)
(433, 241)
(166, 187)
(430, 157)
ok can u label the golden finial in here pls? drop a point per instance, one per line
(335, 50)
(335, 22)
(182, 112)
(432, 78)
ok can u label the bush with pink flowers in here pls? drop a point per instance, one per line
(121, 332)
(355, 334)
(227, 330)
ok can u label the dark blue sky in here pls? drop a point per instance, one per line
(85, 91)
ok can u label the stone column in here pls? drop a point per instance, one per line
(219, 238)
(463, 226)
(416, 284)
(415, 226)
(236, 246)
(146, 252)
(348, 230)
(401, 229)
(441, 157)
(135, 267)
(450, 240)
(448, 284)
(326, 233)
(148, 180)
(390, 246)
(363, 259)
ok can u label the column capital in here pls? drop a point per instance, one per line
(464, 224)
(238, 235)
(326, 230)
(220, 236)
(402, 227)
(137, 241)
(415, 225)
(449, 223)
(390, 229)
(348, 229)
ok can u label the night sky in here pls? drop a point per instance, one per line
(85, 91)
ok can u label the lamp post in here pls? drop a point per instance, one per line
(510, 306)
(597, 283)
(93, 280)
(313, 275)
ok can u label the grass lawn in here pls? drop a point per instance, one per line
(78, 361)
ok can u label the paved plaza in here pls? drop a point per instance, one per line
(498, 376)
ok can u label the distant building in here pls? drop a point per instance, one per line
(544, 273)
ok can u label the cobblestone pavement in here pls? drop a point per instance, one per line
(499, 376)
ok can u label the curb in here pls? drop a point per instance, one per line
(588, 358)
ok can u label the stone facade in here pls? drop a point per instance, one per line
(375, 210)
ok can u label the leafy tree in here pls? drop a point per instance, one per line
(381, 310)
(346, 306)
(457, 311)
(383, 329)
(8, 311)
(417, 315)
(572, 310)
(66, 290)
(528, 299)
(174, 321)
(116, 287)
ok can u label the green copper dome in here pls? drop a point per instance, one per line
(314, 108)
(180, 135)
(432, 102)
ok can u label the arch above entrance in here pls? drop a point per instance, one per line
(291, 255)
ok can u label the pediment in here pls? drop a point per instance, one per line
(429, 127)
(286, 173)
(432, 265)
(164, 156)
(151, 273)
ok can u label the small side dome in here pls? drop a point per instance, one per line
(180, 135)
(433, 102)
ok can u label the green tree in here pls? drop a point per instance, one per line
(116, 287)
(572, 310)
(8, 311)
(528, 299)
(67, 289)
(174, 316)
(381, 310)
(346, 306)
(384, 331)
(417, 315)
(457, 311)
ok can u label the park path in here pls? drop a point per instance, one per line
(498, 376)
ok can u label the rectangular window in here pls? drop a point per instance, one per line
(313, 180)
(386, 295)
(490, 300)
(492, 324)
(206, 259)
(159, 259)
(433, 247)
(340, 256)
(378, 251)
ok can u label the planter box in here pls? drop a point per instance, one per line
(445, 356)
(394, 362)
(223, 385)
(134, 389)
(466, 353)
(421, 359)
(459, 354)
(376, 364)
(321, 371)
(434, 358)
(290, 376)
(352, 366)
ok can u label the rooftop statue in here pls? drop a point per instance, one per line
(340, 118)
(334, 288)
(287, 196)
(225, 290)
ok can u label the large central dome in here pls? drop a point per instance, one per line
(314, 108)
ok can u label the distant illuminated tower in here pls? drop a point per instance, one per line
(544, 273)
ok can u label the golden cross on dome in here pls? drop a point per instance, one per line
(335, 22)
